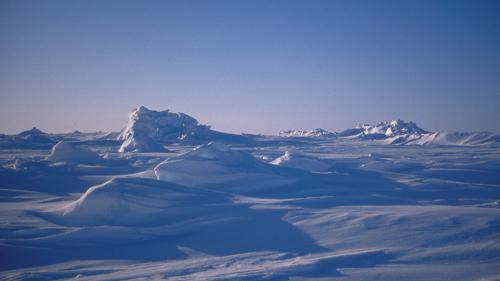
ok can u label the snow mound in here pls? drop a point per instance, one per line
(214, 164)
(299, 161)
(66, 152)
(312, 133)
(133, 201)
(147, 129)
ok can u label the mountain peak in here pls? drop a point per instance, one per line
(32, 131)
(147, 129)
(393, 128)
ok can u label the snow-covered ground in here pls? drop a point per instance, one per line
(249, 208)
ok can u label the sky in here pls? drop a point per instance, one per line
(250, 66)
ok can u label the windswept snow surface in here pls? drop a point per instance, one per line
(268, 208)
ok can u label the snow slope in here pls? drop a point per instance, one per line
(457, 138)
(138, 142)
(134, 202)
(219, 166)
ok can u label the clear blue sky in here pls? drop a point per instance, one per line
(250, 66)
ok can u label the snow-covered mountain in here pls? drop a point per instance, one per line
(395, 128)
(148, 130)
(34, 135)
(402, 132)
(312, 133)
(393, 132)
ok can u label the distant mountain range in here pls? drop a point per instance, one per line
(150, 131)
(400, 132)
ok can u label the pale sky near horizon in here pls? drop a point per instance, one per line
(250, 66)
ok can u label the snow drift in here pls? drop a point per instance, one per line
(215, 164)
(134, 201)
